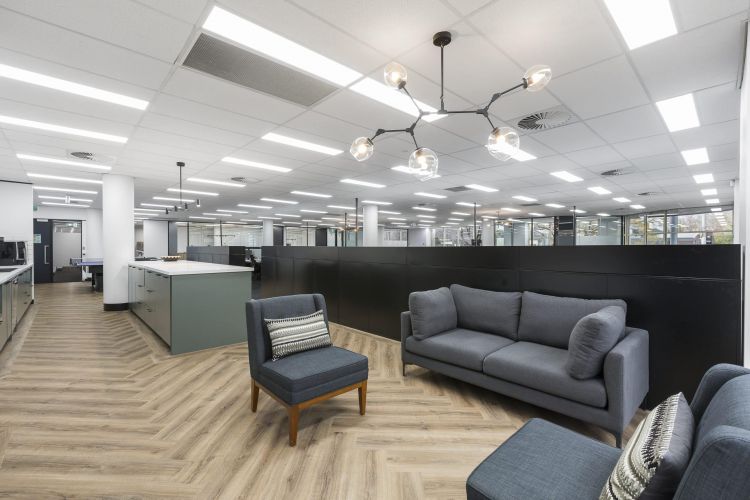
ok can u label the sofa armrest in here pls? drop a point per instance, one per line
(626, 376)
(712, 380)
(406, 331)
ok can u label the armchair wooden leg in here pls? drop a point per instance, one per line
(362, 397)
(403, 369)
(293, 412)
(254, 399)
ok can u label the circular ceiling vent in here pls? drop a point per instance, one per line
(617, 171)
(92, 157)
(544, 120)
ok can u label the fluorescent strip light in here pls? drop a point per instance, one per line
(190, 191)
(311, 220)
(467, 204)
(156, 205)
(695, 156)
(453, 218)
(297, 143)
(599, 190)
(276, 200)
(716, 209)
(396, 218)
(523, 156)
(362, 183)
(231, 211)
(479, 187)
(389, 212)
(255, 164)
(71, 205)
(313, 211)
(146, 210)
(425, 216)
(375, 202)
(341, 207)
(459, 213)
(621, 199)
(218, 183)
(554, 205)
(712, 201)
(50, 82)
(168, 198)
(250, 220)
(199, 217)
(637, 207)
(425, 225)
(704, 192)
(578, 211)
(509, 209)
(452, 224)
(397, 100)
(703, 178)
(245, 205)
(62, 178)
(679, 113)
(524, 198)
(430, 195)
(536, 214)
(332, 218)
(488, 217)
(47, 197)
(407, 170)
(314, 195)
(566, 176)
(602, 214)
(425, 209)
(266, 42)
(289, 215)
(217, 214)
(269, 218)
(642, 21)
(45, 159)
(292, 222)
(10, 120)
(63, 190)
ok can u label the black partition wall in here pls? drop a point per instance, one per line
(689, 298)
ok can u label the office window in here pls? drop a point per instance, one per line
(596, 230)
(543, 232)
(521, 233)
(655, 234)
(446, 237)
(636, 229)
(702, 228)
(394, 237)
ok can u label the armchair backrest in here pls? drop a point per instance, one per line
(288, 306)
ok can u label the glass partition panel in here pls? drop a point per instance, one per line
(636, 229)
(394, 237)
(598, 230)
(503, 234)
(543, 232)
(521, 233)
(655, 234)
(446, 237)
(712, 228)
(204, 234)
(241, 235)
(299, 236)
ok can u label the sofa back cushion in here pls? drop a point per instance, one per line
(487, 311)
(549, 320)
(591, 339)
(432, 312)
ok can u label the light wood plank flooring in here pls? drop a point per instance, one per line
(93, 406)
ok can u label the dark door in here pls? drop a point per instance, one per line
(42, 251)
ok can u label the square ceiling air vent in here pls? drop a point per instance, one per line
(228, 62)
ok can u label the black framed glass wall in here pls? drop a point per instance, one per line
(689, 226)
(598, 230)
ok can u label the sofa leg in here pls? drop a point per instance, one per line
(403, 369)
(293, 412)
(362, 397)
(618, 439)
(254, 397)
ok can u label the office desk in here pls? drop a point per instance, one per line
(93, 266)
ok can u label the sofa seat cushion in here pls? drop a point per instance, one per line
(460, 347)
(549, 320)
(543, 461)
(542, 368)
(487, 311)
(432, 312)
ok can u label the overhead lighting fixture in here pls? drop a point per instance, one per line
(362, 183)
(602, 214)
(217, 214)
(536, 214)
(396, 218)
(231, 211)
(523, 156)
(401, 102)
(375, 202)
(637, 207)
(156, 205)
(716, 209)
(332, 218)
(313, 211)
(71, 205)
(311, 220)
(695, 156)
(460, 213)
(577, 211)
(712, 201)
(479, 187)
(297, 143)
(524, 198)
(388, 212)
(169, 198)
(65, 198)
(63, 178)
(247, 205)
(289, 215)
(258, 39)
(136, 209)
(277, 200)
(554, 205)
(49, 127)
(255, 164)
(455, 219)
(679, 113)
(467, 204)
(599, 190)
(201, 218)
(452, 224)
(191, 191)
(509, 209)
(63, 190)
(341, 207)
(709, 192)
(491, 217)
(425, 209)
(217, 183)
(313, 195)
(621, 199)
(59, 161)
(250, 220)
(407, 170)
(566, 176)
(430, 195)
(642, 22)
(703, 178)
(269, 218)
(425, 216)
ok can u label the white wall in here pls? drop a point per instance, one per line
(420, 237)
(155, 238)
(741, 202)
(182, 233)
(17, 207)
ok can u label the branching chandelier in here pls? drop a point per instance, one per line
(502, 143)
(182, 204)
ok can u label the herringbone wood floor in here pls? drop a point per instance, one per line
(92, 406)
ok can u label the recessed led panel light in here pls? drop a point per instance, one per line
(169, 198)
(709, 192)
(407, 170)
(455, 219)
(479, 187)
(642, 21)
(460, 213)
(289, 215)
(452, 224)
(68, 198)
(679, 113)
(602, 214)
(389, 212)
(277, 200)
(297, 143)
(429, 195)
(269, 218)
(247, 205)
(231, 211)
(523, 156)
(397, 100)
(255, 164)
(489, 217)
(621, 199)
(425, 216)
(63, 178)
(395, 218)
(332, 218)
(695, 156)
(156, 205)
(250, 220)
(362, 183)
(217, 214)
(467, 204)
(509, 209)
(554, 205)
(375, 202)
(536, 214)
(703, 178)
(712, 201)
(217, 183)
(716, 209)
(599, 190)
(313, 195)
(524, 198)
(60, 161)
(578, 211)
(201, 218)
(341, 207)
(63, 190)
(566, 176)
(425, 209)
(10, 120)
(637, 207)
(190, 191)
(71, 205)
(313, 211)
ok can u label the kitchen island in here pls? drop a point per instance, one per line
(190, 305)
(16, 295)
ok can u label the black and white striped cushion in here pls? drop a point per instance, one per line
(292, 335)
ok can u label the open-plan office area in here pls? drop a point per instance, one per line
(399, 249)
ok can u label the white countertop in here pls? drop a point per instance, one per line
(8, 276)
(179, 267)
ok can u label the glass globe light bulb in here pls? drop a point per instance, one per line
(394, 75)
(503, 143)
(423, 163)
(362, 148)
(537, 77)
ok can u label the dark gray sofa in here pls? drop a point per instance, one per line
(516, 344)
(543, 460)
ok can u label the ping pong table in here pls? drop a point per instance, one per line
(93, 266)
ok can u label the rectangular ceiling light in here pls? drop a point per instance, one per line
(341, 207)
(217, 183)
(71, 205)
(704, 192)
(715, 209)
(289, 215)
(603, 214)
(406, 170)
(60, 161)
(509, 209)
(536, 214)
(712, 201)
(425, 209)
(642, 21)
(136, 209)
(313, 211)
(10, 120)
(246, 205)
(524, 198)
(48, 197)
(231, 211)
(269, 218)
(554, 205)
(621, 199)
(362, 183)
(523, 156)
(479, 187)
(426, 216)
(396, 218)
(169, 198)
(313, 195)
(679, 113)
(389, 212)
(255, 164)
(397, 100)
(297, 143)
(51, 82)
(202, 218)
(63, 178)
(460, 213)
(566, 176)
(578, 211)
(190, 191)
(429, 195)
(156, 205)
(375, 202)
(467, 204)
(599, 190)
(217, 215)
(277, 200)
(454, 218)
(268, 43)
(64, 190)
(489, 217)
(703, 178)
(637, 207)
(695, 156)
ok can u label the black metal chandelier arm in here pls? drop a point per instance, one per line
(498, 95)
(403, 87)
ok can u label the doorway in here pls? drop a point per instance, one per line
(67, 244)
(42, 251)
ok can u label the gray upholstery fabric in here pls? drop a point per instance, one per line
(711, 382)
(591, 339)
(543, 461)
(432, 312)
(314, 367)
(467, 348)
(487, 311)
(543, 368)
(549, 320)
(730, 406)
(626, 375)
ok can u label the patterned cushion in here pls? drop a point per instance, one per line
(656, 456)
(302, 333)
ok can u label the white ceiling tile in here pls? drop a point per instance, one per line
(708, 135)
(692, 13)
(634, 123)
(328, 127)
(522, 103)
(658, 161)
(193, 130)
(189, 11)
(718, 104)
(648, 146)
(569, 138)
(595, 156)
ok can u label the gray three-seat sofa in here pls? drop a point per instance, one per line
(516, 344)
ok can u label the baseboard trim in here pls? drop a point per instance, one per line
(116, 307)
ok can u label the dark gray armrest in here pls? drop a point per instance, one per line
(712, 380)
(626, 375)
(405, 328)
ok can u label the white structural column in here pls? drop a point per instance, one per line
(370, 226)
(267, 233)
(742, 195)
(119, 238)
(155, 238)
(488, 233)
